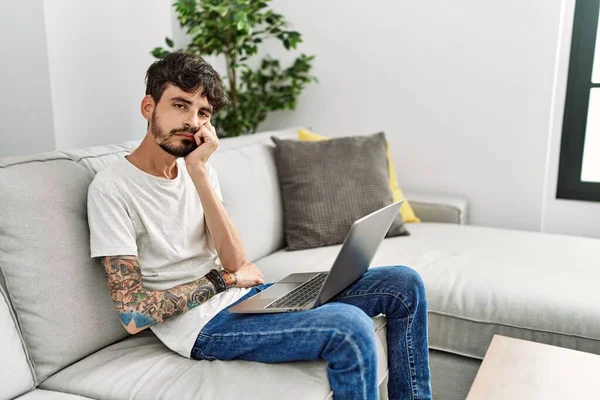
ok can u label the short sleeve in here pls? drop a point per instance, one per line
(111, 228)
(214, 181)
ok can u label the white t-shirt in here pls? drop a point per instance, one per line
(161, 221)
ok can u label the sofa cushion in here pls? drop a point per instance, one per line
(248, 178)
(406, 210)
(142, 368)
(327, 185)
(16, 373)
(486, 281)
(39, 394)
(58, 293)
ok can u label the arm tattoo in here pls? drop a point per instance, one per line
(139, 308)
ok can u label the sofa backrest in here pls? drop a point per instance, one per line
(58, 293)
(97, 158)
(248, 177)
(16, 374)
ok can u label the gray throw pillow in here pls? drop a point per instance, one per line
(327, 185)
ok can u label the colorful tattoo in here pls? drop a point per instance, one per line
(139, 308)
(229, 278)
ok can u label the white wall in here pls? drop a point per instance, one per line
(565, 216)
(463, 90)
(25, 104)
(99, 52)
(470, 93)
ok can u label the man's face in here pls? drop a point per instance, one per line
(177, 117)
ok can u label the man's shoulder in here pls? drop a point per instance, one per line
(111, 178)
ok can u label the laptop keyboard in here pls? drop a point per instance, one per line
(301, 295)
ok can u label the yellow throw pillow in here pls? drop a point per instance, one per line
(406, 210)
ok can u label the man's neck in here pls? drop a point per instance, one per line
(152, 159)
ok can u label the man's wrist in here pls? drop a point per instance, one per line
(199, 175)
(197, 168)
(230, 278)
(216, 279)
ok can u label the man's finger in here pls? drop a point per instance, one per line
(207, 133)
(197, 138)
(211, 127)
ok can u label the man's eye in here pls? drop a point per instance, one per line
(203, 114)
(179, 106)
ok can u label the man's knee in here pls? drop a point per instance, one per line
(414, 279)
(407, 282)
(415, 283)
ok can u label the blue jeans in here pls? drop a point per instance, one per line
(341, 332)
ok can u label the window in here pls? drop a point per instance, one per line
(579, 169)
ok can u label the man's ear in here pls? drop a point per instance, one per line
(147, 107)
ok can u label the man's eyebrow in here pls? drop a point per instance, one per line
(181, 99)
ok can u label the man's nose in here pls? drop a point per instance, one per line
(190, 127)
(192, 123)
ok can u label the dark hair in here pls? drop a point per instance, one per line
(189, 72)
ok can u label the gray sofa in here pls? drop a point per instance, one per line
(60, 337)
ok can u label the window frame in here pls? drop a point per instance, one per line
(579, 86)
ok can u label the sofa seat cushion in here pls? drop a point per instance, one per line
(141, 367)
(39, 394)
(485, 281)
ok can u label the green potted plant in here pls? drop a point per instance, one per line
(234, 29)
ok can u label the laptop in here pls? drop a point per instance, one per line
(304, 291)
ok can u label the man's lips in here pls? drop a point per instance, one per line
(187, 135)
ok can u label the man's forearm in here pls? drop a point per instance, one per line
(228, 242)
(139, 308)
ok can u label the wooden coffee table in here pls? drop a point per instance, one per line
(517, 369)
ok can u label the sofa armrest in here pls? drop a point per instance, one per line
(439, 208)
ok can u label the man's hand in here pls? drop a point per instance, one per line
(248, 276)
(207, 141)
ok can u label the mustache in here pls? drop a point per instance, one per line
(186, 130)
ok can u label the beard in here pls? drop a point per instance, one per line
(176, 146)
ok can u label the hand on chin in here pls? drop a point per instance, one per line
(197, 158)
(207, 142)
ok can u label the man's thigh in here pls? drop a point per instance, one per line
(382, 290)
(278, 337)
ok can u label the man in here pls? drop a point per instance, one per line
(174, 261)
